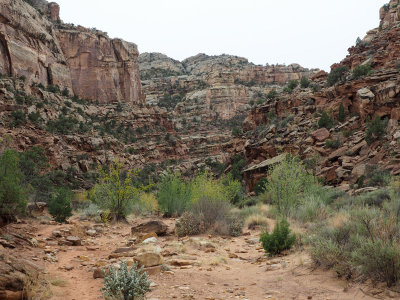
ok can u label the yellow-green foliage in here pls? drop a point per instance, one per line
(117, 191)
(148, 202)
(175, 195)
(288, 180)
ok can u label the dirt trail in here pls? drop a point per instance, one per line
(227, 268)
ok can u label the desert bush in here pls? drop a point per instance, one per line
(256, 220)
(211, 210)
(366, 243)
(325, 121)
(173, 195)
(18, 118)
(60, 205)
(90, 211)
(117, 191)
(272, 94)
(279, 240)
(361, 70)
(210, 215)
(287, 181)
(13, 200)
(337, 74)
(310, 209)
(237, 132)
(189, 224)
(375, 129)
(305, 82)
(260, 186)
(334, 144)
(125, 283)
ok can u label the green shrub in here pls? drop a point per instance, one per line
(125, 283)
(305, 82)
(65, 92)
(34, 117)
(293, 84)
(334, 144)
(63, 125)
(260, 186)
(365, 242)
(279, 240)
(272, 94)
(237, 132)
(361, 70)
(13, 198)
(287, 180)
(18, 118)
(117, 191)
(325, 121)
(238, 163)
(60, 205)
(341, 113)
(337, 74)
(53, 88)
(375, 129)
(173, 195)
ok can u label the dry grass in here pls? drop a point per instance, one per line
(37, 288)
(257, 220)
(338, 220)
(218, 260)
(59, 282)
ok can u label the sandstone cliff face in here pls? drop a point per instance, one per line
(85, 62)
(29, 46)
(101, 69)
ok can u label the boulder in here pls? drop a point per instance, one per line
(321, 135)
(74, 240)
(156, 226)
(148, 259)
(14, 273)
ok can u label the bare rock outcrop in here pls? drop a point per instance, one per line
(34, 43)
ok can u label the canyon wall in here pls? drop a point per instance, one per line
(34, 43)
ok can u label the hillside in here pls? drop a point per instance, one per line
(354, 150)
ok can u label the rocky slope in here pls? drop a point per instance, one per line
(208, 96)
(352, 157)
(34, 43)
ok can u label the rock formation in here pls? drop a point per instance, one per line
(35, 44)
(344, 155)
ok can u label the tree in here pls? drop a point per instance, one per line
(304, 82)
(287, 181)
(60, 205)
(336, 75)
(342, 113)
(12, 194)
(116, 191)
(325, 121)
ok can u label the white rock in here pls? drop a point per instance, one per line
(150, 240)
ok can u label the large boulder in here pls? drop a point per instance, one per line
(321, 135)
(156, 226)
(15, 273)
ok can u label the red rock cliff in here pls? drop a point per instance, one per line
(84, 61)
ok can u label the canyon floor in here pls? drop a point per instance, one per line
(206, 267)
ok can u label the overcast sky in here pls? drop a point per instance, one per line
(313, 33)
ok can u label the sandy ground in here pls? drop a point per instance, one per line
(220, 268)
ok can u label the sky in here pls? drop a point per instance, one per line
(312, 33)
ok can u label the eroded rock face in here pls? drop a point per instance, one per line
(86, 62)
(29, 46)
(15, 273)
(101, 69)
(351, 155)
